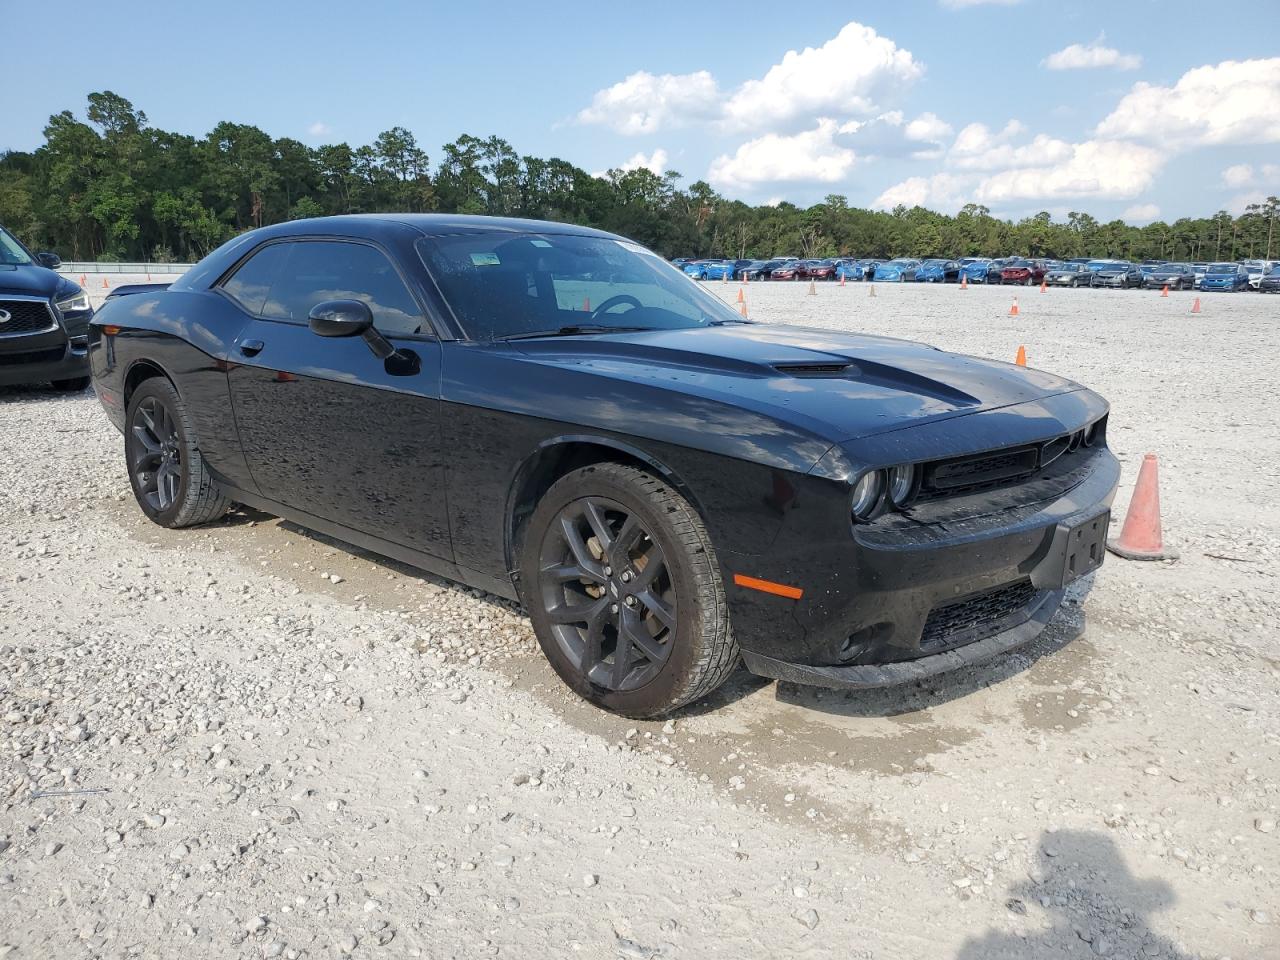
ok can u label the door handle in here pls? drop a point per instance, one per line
(251, 348)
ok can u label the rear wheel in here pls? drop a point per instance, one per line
(624, 591)
(169, 478)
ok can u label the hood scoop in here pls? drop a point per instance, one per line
(812, 369)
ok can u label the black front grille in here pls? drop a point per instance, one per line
(946, 623)
(31, 356)
(25, 316)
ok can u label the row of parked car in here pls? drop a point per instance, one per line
(1261, 275)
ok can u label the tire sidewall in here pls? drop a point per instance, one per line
(162, 390)
(671, 681)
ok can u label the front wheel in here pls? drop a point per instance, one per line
(622, 585)
(169, 478)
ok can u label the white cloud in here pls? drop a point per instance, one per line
(844, 77)
(1240, 175)
(1091, 56)
(656, 162)
(1141, 213)
(927, 128)
(1245, 175)
(809, 157)
(942, 191)
(645, 102)
(977, 148)
(1095, 169)
(319, 129)
(1236, 101)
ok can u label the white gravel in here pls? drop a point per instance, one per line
(209, 749)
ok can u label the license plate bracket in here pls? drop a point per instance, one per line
(1078, 549)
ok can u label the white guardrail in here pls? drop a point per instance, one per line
(78, 267)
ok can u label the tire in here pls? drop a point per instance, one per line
(74, 385)
(687, 653)
(169, 478)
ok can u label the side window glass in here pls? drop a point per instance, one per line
(250, 284)
(319, 270)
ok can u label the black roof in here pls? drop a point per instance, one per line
(429, 224)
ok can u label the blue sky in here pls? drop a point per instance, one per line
(1136, 109)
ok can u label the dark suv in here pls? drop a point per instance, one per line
(44, 320)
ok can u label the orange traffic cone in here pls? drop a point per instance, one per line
(1142, 537)
(586, 304)
(105, 285)
(842, 279)
(724, 277)
(83, 280)
(1164, 291)
(1013, 311)
(873, 290)
(1044, 285)
(743, 308)
(813, 289)
(964, 282)
(746, 277)
(741, 298)
(1022, 356)
(1195, 307)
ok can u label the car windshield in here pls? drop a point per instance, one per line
(935, 263)
(1223, 268)
(1068, 268)
(1174, 268)
(1106, 265)
(1019, 265)
(12, 253)
(509, 285)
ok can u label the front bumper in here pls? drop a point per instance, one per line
(42, 357)
(917, 595)
(1109, 282)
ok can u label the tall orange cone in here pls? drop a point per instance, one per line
(1164, 291)
(83, 280)
(964, 281)
(1195, 307)
(813, 289)
(586, 304)
(873, 290)
(842, 279)
(1044, 285)
(105, 285)
(743, 308)
(1022, 356)
(741, 298)
(1013, 311)
(746, 277)
(1142, 537)
(724, 277)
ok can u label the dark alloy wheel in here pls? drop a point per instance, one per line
(607, 591)
(169, 479)
(155, 457)
(621, 582)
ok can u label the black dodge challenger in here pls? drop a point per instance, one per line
(556, 415)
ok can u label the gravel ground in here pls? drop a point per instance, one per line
(249, 741)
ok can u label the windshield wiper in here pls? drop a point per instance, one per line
(575, 330)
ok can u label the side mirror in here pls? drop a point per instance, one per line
(340, 318)
(50, 260)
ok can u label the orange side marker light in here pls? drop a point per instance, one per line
(768, 586)
(110, 329)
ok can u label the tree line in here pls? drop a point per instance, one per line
(112, 187)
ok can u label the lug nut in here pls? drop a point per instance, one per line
(626, 576)
(630, 602)
(608, 571)
(613, 608)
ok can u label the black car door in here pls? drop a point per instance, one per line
(326, 427)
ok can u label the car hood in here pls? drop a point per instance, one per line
(840, 386)
(29, 280)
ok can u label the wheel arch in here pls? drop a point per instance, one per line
(560, 455)
(140, 371)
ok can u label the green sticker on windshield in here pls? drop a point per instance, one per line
(485, 259)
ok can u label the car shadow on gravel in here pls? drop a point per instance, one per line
(1089, 903)
(36, 393)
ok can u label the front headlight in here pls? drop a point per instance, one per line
(866, 495)
(902, 484)
(76, 302)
